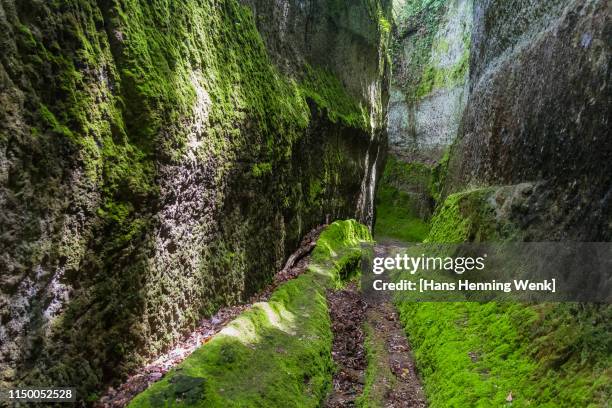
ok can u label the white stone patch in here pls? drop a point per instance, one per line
(398, 125)
(59, 294)
(283, 17)
(448, 45)
(201, 110)
(438, 116)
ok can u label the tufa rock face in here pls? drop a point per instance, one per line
(428, 92)
(533, 107)
(160, 160)
(539, 110)
(429, 85)
(343, 39)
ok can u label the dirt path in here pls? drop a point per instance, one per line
(120, 396)
(395, 379)
(347, 311)
(385, 375)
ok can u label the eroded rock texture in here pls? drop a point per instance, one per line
(159, 159)
(430, 49)
(538, 111)
(502, 93)
(430, 72)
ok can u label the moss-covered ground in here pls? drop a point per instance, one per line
(475, 355)
(396, 218)
(276, 354)
(379, 377)
(400, 193)
(484, 354)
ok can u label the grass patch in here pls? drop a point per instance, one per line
(396, 217)
(279, 352)
(379, 378)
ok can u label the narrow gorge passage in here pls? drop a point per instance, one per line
(372, 361)
(234, 203)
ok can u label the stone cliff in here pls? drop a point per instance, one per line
(511, 97)
(159, 159)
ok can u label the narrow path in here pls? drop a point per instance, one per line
(371, 351)
(348, 311)
(395, 379)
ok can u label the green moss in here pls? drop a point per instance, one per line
(422, 73)
(383, 23)
(315, 190)
(398, 199)
(431, 79)
(327, 92)
(403, 174)
(337, 236)
(423, 18)
(162, 65)
(51, 121)
(464, 216)
(472, 354)
(261, 169)
(378, 377)
(278, 353)
(438, 176)
(448, 223)
(434, 78)
(261, 359)
(397, 217)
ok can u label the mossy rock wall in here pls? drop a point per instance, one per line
(157, 161)
(430, 50)
(403, 201)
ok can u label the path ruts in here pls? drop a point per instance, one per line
(357, 326)
(347, 311)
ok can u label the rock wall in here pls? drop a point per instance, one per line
(517, 93)
(430, 72)
(430, 49)
(159, 159)
(538, 112)
(339, 37)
